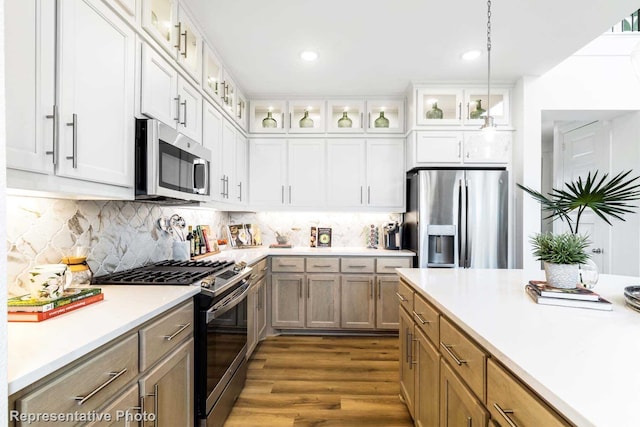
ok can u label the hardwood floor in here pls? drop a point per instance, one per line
(322, 381)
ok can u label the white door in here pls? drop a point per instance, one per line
(268, 172)
(346, 173)
(306, 175)
(159, 88)
(586, 149)
(97, 69)
(190, 110)
(189, 45)
(385, 173)
(438, 147)
(30, 84)
(212, 140)
(228, 159)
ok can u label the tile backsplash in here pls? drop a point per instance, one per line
(122, 235)
(119, 235)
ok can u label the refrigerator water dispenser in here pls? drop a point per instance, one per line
(442, 246)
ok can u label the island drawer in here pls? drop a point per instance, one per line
(163, 335)
(323, 265)
(357, 265)
(511, 403)
(388, 265)
(405, 296)
(87, 386)
(283, 264)
(427, 318)
(464, 356)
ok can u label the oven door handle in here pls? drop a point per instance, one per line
(231, 301)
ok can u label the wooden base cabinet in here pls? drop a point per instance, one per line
(427, 380)
(358, 303)
(458, 405)
(287, 301)
(407, 375)
(323, 301)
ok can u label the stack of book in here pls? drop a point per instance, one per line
(542, 293)
(27, 309)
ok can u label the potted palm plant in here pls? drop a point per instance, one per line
(606, 197)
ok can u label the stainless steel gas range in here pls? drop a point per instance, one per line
(220, 331)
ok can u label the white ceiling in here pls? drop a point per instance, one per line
(376, 47)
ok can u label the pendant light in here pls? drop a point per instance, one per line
(489, 127)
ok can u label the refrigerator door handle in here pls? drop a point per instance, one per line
(461, 220)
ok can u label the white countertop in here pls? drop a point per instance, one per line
(38, 349)
(583, 362)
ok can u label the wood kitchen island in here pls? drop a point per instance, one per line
(570, 366)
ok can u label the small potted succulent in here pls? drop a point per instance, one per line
(562, 255)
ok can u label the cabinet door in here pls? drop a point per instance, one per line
(190, 110)
(212, 140)
(123, 410)
(97, 95)
(189, 45)
(358, 303)
(287, 300)
(458, 405)
(323, 301)
(159, 19)
(268, 172)
(242, 151)
(345, 116)
(167, 390)
(229, 94)
(306, 175)
(385, 174)
(427, 376)
(212, 81)
(267, 116)
(252, 322)
(346, 173)
(261, 314)
(159, 88)
(385, 116)
(477, 105)
(407, 376)
(241, 111)
(438, 147)
(228, 158)
(30, 85)
(306, 116)
(478, 148)
(387, 302)
(439, 106)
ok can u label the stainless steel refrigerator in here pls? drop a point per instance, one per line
(458, 218)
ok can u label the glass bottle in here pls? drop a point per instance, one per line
(344, 121)
(306, 121)
(478, 112)
(435, 112)
(191, 241)
(269, 122)
(381, 122)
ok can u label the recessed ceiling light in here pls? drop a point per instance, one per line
(471, 55)
(309, 55)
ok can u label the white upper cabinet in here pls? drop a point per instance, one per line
(385, 174)
(125, 8)
(268, 172)
(440, 106)
(242, 159)
(480, 149)
(212, 77)
(346, 173)
(241, 110)
(170, 25)
(345, 116)
(385, 116)
(96, 128)
(306, 171)
(229, 95)
(189, 110)
(212, 140)
(307, 116)
(267, 116)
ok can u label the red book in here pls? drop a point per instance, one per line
(35, 316)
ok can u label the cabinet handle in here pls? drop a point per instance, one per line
(283, 194)
(179, 27)
(286, 265)
(361, 194)
(289, 194)
(504, 413)
(394, 266)
(368, 194)
(468, 111)
(185, 44)
(407, 345)
(357, 266)
(459, 149)
(369, 120)
(184, 106)
(409, 349)
(413, 360)
(321, 266)
(172, 336)
(459, 110)
(300, 288)
(114, 376)
(401, 297)
(240, 191)
(370, 289)
(379, 289)
(74, 149)
(222, 179)
(447, 348)
(226, 186)
(361, 120)
(420, 318)
(282, 120)
(469, 422)
(177, 99)
(308, 287)
(155, 395)
(54, 144)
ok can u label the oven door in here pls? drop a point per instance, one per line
(226, 341)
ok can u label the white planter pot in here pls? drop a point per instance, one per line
(566, 276)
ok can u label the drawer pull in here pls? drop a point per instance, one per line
(401, 297)
(447, 348)
(504, 413)
(357, 266)
(175, 334)
(114, 376)
(469, 422)
(421, 319)
(286, 265)
(322, 266)
(393, 266)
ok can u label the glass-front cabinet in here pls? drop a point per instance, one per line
(159, 19)
(307, 116)
(229, 95)
(477, 104)
(385, 116)
(439, 106)
(241, 110)
(212, 79)
(267, 116)
(345, 116)
(189, 45)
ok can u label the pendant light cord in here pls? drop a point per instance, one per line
(488, 57)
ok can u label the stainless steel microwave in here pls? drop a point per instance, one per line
(170, 168)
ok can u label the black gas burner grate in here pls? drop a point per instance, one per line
(213, 265)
